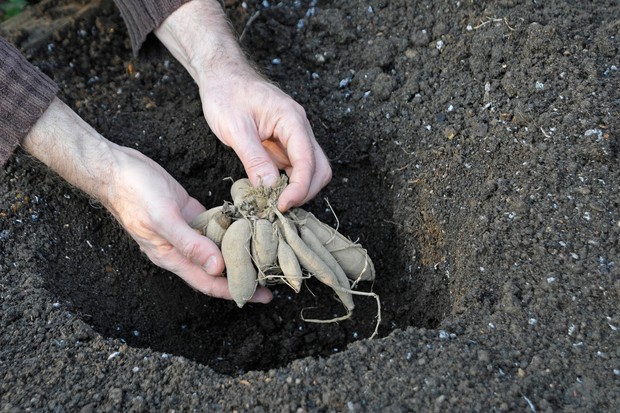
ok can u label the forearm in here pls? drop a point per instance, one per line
(73, 149)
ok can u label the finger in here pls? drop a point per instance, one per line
(198, 279)
(321, 175)
(192, 209)
(216, 286)
(213, 286)
(196, 248)
(201, 281)
(262, 295)
(302, 160)
(277, 153)
(258, 165)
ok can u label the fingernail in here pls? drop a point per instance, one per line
(284, 206)
(211, 265)
(269, 180)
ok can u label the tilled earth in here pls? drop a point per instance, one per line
(475, 155)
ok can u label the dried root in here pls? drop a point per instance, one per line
(263, 246)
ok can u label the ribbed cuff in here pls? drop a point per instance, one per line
(144, 16)
(25, 93)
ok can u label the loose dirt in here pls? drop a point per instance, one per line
(475, 155)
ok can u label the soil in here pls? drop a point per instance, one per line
(475, 151)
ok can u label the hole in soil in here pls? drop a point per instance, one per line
(116, 289)
(99, 273)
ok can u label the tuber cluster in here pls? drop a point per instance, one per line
(262, 246)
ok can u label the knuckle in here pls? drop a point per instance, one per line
(191, 250)
(254, 163)
(299, 109)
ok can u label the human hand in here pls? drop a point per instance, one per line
(155, 210)
(142, 196)
(269, 132)
(267, 129)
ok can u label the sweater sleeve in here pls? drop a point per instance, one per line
(144, 16)
(25, 93)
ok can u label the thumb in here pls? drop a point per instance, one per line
(258, 165)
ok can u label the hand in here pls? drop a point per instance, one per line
(267, 129)
(144, 198)
(155, 210)
(269, 132)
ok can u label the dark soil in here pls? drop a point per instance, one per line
(475, 155)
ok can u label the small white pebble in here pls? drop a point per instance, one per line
(115, 354)
(594, 132)
(571, 329)
(135, 369)
(344, 82)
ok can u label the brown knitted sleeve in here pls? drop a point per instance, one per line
(144, 16)
(25, 93)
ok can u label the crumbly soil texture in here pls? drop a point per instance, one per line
(475, 154)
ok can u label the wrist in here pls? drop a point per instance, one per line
(199, 36)
(73, 149)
